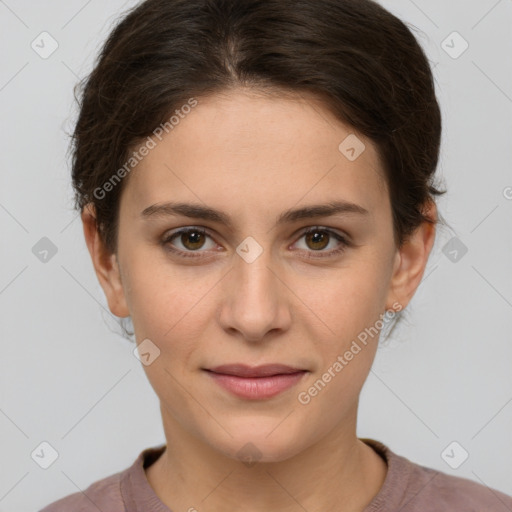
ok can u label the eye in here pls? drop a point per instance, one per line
(318, 238)
(191, 238)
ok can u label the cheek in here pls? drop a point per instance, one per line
(172, 311)
(345, 357)
(347, 301)
(163, 298)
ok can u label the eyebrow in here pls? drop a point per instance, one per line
(197, 211)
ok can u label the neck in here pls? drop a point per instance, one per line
(338, 473)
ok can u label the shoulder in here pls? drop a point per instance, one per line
(103, 494)
(451, 492)
(115, 493)
(411, 487)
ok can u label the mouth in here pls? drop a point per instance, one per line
(258, 382)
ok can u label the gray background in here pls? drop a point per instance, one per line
(67, 377)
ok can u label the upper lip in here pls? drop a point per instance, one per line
(266, 370)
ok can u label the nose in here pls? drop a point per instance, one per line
(256, 299)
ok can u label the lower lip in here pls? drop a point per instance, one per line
(257, 388)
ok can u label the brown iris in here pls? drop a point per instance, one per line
(317, 237)
(192, 239)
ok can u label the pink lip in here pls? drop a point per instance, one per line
(258, 382)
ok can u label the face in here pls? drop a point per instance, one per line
(256, 284)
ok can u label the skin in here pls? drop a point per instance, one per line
(253, 156)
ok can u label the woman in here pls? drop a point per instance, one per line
(256, 183)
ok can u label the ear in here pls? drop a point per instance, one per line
(105, 264)
(411, 260)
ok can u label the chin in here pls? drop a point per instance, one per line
(259, 443)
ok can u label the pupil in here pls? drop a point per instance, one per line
(192, 238)
(317, 237)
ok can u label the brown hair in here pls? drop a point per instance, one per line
(362, 61)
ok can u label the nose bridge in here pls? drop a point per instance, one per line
(255, 303)
(255, 277)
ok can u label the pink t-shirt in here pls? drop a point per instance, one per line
(408, 487)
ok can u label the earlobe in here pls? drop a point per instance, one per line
(411, 261)
(105, 264)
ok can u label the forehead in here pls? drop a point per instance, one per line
(242, 149)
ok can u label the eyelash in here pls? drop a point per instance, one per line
(320, 254)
